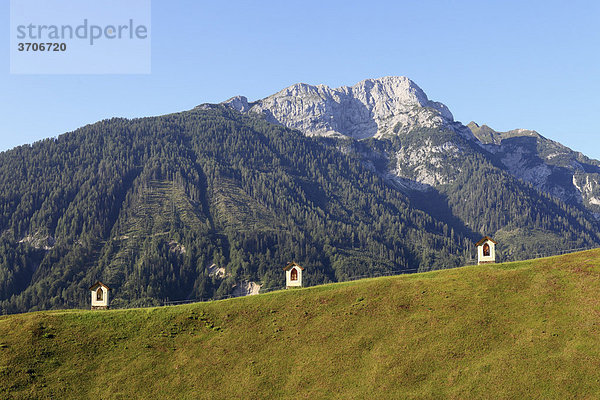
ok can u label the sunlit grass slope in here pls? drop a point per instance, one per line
(519, 330)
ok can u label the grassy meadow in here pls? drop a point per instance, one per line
(505, 331)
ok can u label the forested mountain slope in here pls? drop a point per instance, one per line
(148, 205)
(199, 203)
(524, 189)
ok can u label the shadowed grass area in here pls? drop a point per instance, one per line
(519, 330)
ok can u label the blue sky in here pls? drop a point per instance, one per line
(509, 64)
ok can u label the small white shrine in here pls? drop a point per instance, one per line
(293, 275)
(99, 293)
(486, 251)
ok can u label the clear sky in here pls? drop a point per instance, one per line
(508, 64)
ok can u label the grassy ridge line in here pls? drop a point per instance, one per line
(520, 330)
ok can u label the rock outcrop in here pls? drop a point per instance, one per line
(372, 108)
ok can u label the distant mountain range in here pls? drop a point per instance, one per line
(395, 107)
(215, 200)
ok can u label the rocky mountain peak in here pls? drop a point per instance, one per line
(487, 135)
(240, 103)
(390, 105)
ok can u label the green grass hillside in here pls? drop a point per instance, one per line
(520, 330)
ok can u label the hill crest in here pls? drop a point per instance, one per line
(525, 329)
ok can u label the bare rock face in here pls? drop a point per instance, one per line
(428, 164)
(239, 103)
(216, 271)
(371, 108)
(588, 186)
(246, 288)
(393, 105)
(39, 241)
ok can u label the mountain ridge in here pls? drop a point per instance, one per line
(370, 108)
(546, 164)
(395, 106)
(154, 206)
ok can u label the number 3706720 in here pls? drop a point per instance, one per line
(42, 46)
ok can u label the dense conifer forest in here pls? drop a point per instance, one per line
(152, 206)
